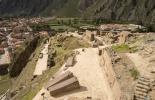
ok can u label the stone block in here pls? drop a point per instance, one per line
(59, 79)
(66, 86)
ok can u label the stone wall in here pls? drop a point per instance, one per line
(90, 35)
(107, 63)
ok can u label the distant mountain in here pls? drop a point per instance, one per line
(125, 10)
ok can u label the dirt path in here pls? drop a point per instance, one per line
(91, 77)
(42, 62)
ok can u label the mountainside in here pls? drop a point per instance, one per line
(125, 10)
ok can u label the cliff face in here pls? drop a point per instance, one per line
(21, 57)
(126, 10)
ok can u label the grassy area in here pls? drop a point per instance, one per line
(121, 48)
(63, 24)
(67, 19)
(5, 84)
(85, 24)
(62, 27)
(125, 48)
(76, 21)
(70, 43)
(134, 73)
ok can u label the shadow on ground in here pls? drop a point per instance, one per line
(82, 89)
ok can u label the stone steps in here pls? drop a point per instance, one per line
(140, 93)
(142, 88)
(143, 82)
(143, 79)
(139, 97)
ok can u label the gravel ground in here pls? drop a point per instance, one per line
(140, 63)
(91, 77)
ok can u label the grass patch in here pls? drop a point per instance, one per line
(125, 48)
(67, 19)
(70, 43)
(121, 48)
(61, 27)
(5, 84)
(134, 73)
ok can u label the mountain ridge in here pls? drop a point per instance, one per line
(142, 11)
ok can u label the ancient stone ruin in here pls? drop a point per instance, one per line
(70, 62)
(142, 88)
(90, 35)
(62, 83)
(107, 62)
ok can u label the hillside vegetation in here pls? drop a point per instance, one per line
(124, 10)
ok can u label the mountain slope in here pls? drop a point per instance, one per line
(126, 10)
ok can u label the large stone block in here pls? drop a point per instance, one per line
(66, 86)
(70, 62)
(59, 79)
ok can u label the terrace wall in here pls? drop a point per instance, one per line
(90, 35)
(106, 62)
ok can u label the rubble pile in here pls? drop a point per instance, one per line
(61, 38)
(146, 50)
(114, 56)
(151, 68)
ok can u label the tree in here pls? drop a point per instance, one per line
(69, 22)
(58, 22)
(1, 19)
(139, 29)
(94, 20)
(97, 21)
(149, 28)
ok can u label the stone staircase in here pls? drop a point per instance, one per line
(142, 88)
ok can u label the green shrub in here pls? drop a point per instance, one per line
(134, 73)
(121, 48)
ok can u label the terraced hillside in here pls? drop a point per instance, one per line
(126, 10)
